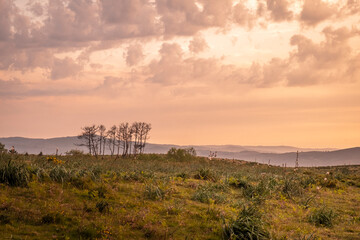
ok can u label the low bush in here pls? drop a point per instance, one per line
(181, 154)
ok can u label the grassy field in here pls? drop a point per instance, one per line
(174, 196)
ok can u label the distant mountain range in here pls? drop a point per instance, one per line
(275, 155)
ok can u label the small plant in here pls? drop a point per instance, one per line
(102, 206)
(323, 216)
(292, 188)
(59, 174)
(205, 174)
(183, 175)
(14, 174)
(206, 194)
(54, 160)
(75, 152)
(247, 225)
(52, 218)
(153, 191)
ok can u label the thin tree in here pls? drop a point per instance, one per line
(111, 139)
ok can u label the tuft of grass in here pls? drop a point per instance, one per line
(292, 188)
(103, 206)
(322, 216)
(247, 225)
(206, 174)
(154, 191)
(14, 175)
(208, 194)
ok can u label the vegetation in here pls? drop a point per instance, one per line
(130, 139)
(153, 196)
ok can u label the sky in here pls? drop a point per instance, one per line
(256, 72)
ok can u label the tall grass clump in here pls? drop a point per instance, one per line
(322, 216)
(206, 174)
(292, 187)
(207, 194)
(154, 191)
(247, 225)
(14, 174)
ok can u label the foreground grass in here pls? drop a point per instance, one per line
(160, 197)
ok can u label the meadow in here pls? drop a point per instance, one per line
(174, 196)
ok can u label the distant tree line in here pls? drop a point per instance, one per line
(122, 140)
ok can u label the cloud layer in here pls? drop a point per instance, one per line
(196, 56)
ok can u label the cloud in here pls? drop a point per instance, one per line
(311, 63)
(6, 11)
(36, 8)
(198, 44)
(316, 11)
(244, 16)
(187, 17)
(173, 69)
(134, 54)
(63, 68)
(279, 10)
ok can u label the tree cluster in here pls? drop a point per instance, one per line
(122, 140)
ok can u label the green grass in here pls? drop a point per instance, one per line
(174, 197)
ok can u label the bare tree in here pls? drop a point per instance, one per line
(126, 136)
(102, 139)
(141, 134)
(111, 139)
(88, 134)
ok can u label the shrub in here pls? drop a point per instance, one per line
(247, 225)
(2, 149)
(323, 216)
(181, 154)
(75, 152)
(14, 174)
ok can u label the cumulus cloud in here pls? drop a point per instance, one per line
(134, 54)
(187, 17)
(279, 9)
(310, 63)
(173, 69)
(244, 16)
(198, 44)
(316, 11)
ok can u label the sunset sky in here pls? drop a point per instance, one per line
(257, 72)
